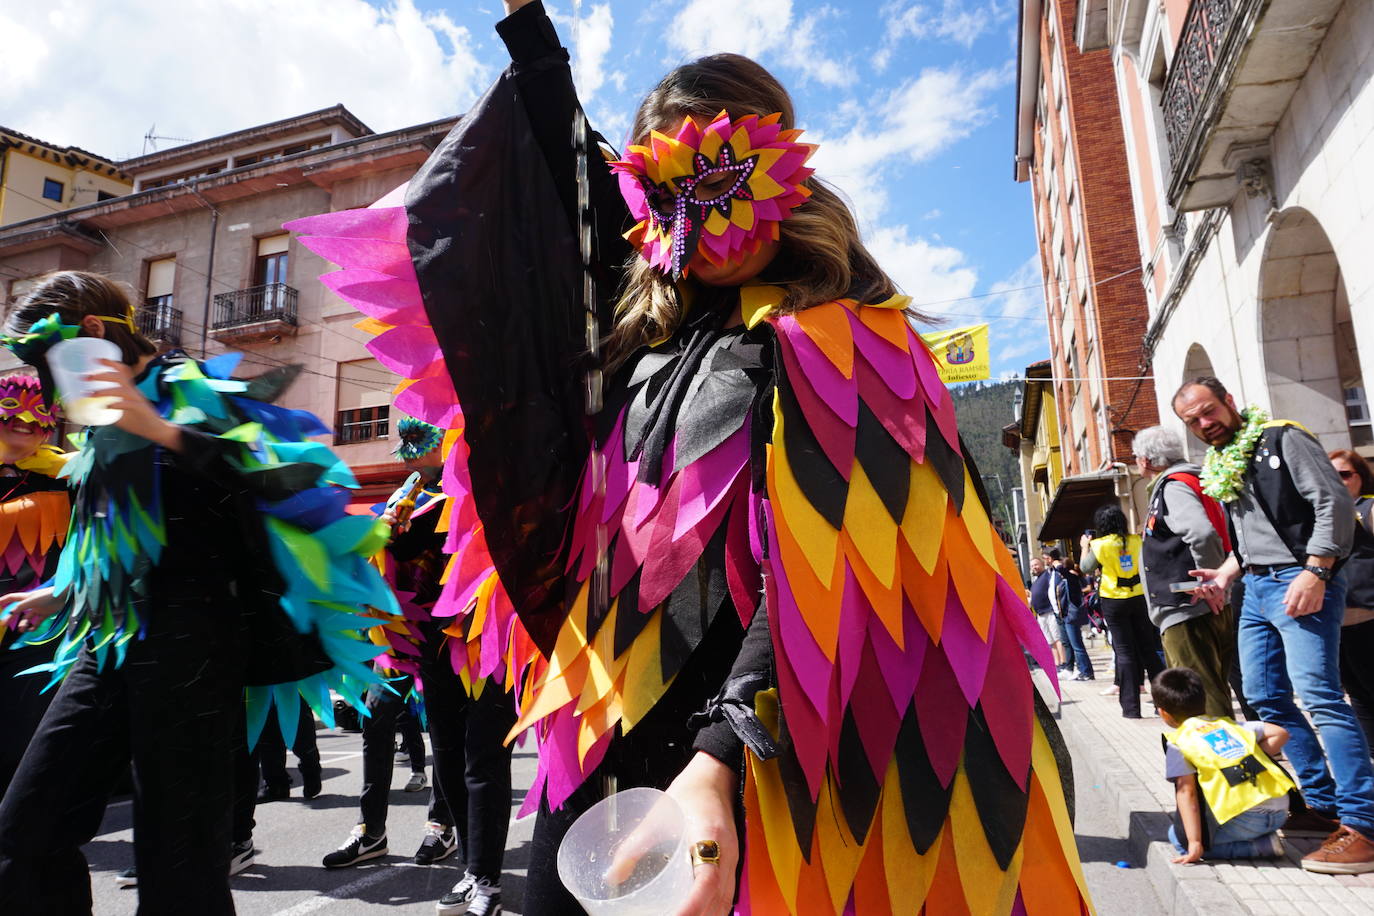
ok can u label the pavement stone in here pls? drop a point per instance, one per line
(1124, 757)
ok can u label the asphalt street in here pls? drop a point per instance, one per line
(292, 836)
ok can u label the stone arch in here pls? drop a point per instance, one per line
(1311, 362)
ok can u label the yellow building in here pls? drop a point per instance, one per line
(38, 179)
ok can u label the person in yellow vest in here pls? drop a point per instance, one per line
(1231, 796)
(1135, 641)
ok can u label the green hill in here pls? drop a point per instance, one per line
(983, 409)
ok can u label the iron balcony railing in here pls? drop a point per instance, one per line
(270, 302)
(158, 321)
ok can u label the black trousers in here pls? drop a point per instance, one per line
(1135, 642)
(23, 702)
(472, 784)
(412, 738)
(1357, 673)
(271, 750)
(171, 708)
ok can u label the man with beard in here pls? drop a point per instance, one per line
(1294, 522)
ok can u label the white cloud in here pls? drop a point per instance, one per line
(764, 30)
(926, 271)
(589, 40)
(198, 68)
(932, 214)
(905, 126)
(953, 21)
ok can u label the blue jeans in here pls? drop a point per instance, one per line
(1280, 655)
(1236, 838)
(1073, 635)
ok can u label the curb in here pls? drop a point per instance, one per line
(1183, 890)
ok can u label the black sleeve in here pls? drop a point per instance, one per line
(728, 722)
(539, 64)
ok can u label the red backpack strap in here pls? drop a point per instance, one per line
(1215, 513)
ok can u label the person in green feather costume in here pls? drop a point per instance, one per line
(210, 572)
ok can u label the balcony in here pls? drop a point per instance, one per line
(1236, 68)
(256, 313)
(159, 322)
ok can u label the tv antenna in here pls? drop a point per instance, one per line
(151, 138)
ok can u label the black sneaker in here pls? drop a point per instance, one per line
(472, 895)
(127, 878)
(359, 848)
(273, 793)
(241, 856)
(439, 843)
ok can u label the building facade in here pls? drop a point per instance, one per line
(38, 178)
(1070, 147)
(1250, 129)
(199, 243)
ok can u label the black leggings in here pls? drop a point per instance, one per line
(1135, 642)
(1357, 673)
(172, 707)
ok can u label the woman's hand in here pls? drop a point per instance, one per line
(706, 791)
(139, 417)
(29, 609)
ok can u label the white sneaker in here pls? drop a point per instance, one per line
(470, 895)
(417, 781)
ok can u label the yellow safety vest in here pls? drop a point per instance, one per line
(1120, 564)
(1233, 774)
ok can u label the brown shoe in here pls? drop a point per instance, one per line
(1347, 852)
(1309, 823)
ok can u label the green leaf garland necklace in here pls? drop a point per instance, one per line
(1223, 471)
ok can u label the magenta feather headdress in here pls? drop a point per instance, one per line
(720, 191)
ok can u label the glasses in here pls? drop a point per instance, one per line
(1346, 475)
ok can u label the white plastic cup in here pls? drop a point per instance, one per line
(71, 362)
(653, 829)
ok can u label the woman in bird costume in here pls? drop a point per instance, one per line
(209, 556)
(33, 524)
(747, 505)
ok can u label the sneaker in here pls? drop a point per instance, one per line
(1110, 691)
(471, 895)
(1268, 846)
(127, 878)
(439, 843)
(417, 781)
(241, 857)
(1309, 823)
(1345, 852)
(1083, 677)
(359, 848)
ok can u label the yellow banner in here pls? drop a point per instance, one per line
(961, 354)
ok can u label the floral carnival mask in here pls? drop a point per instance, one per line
(21, 398)
(720, 191)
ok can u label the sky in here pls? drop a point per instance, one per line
(911, 101)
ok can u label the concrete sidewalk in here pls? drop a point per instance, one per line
(1125, 758)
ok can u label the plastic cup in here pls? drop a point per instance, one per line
(71, 361)
(642, 826)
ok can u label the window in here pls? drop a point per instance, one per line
(364, 402)
(103, 195)
(52, 190)
(1357, 415)
(269, 270)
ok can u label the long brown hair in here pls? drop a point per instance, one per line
(821, 256)
(73, 295)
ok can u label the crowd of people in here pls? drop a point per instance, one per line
(688, 504)
(1251, 574)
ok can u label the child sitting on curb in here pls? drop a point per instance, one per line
(1231, 795)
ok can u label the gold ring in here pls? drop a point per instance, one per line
(705, 852)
